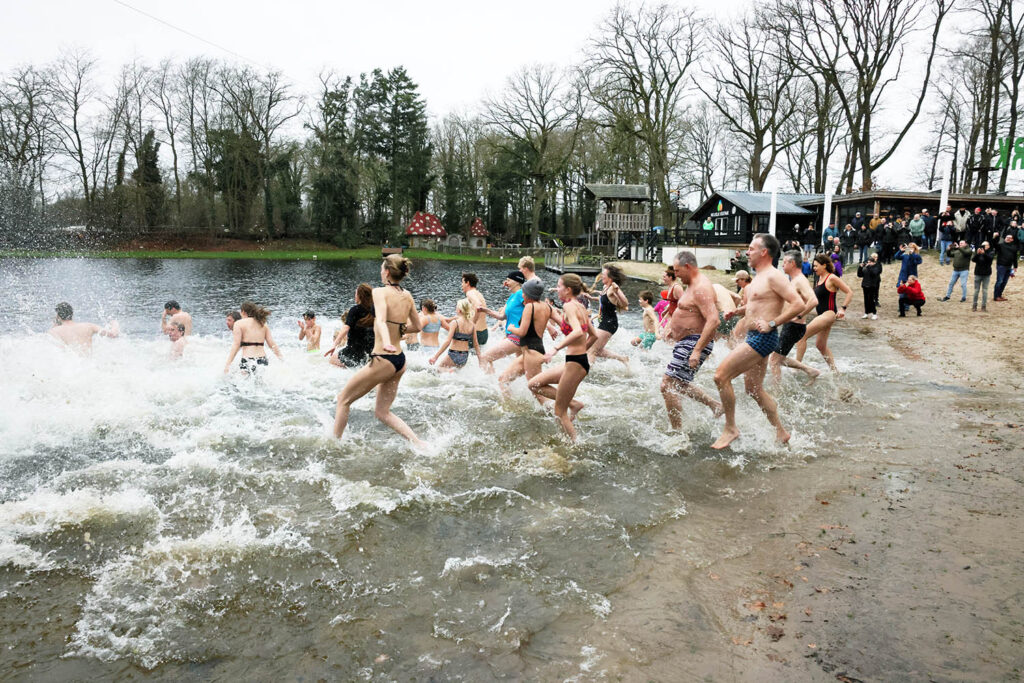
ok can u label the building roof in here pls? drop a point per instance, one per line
(975, 199)
(616, 191)
(759, 202)
(478, 229)
(426, 225)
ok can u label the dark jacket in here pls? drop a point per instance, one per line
(983, 263)
(848, 239)
(961, 257)
(870, 274)
(889, 235)
(903, 234)
(1006, 254)
(975, 224)
(857, 222)
(931, 224)
(910, 263)
(864, 237)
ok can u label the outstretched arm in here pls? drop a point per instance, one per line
(236, 343)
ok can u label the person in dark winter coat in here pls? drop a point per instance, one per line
(847, 243)
(864, 240)
(910, 259)
(903, 233)
(982, 258)
(889, 241)
(961, 255)
(931, 227)
(870, 274)
(857, 221)
(975, 228)
(1007, 253)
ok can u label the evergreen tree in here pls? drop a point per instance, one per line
(149, 183)
(334, 185)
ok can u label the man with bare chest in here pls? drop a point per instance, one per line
(772, 300)
(692, 328)
(75, 335)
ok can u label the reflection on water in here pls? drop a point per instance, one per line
(169, 518)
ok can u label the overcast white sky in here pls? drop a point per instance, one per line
(456, 50)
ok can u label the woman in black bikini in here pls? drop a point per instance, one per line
(356, 333)
(611, 299)
(461, 335)
(394, 315)
(561, 383)
(249, 334)
(828, 313)
(536, 314)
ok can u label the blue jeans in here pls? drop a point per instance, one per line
(1002, 277)
(943, 246)
(960, 275)
(864, 253)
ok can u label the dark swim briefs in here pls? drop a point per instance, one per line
(481, 337)
(763, 342)
(679, 367)
(792, 332)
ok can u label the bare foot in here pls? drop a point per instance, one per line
(727, 437)
(574, 408)
(420, 445)
(782, 436)
(814, 375)
(717, 410)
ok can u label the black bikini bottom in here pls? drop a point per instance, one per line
(580, 359)
(396, 359)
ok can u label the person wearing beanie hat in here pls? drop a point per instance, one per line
(534, 320)
(512, 314)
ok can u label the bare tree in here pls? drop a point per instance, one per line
(197, 103)
(700, 151)
(858, 47)
(163, 93)
(71, 91)
(638, 62)
(538, 116)
(754, 92)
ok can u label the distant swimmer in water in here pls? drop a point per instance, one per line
(78, 335)
(692, 328)
(461, 337)
(394, 316)
(828, 313)
(356, 332)
(231, 318)
(174, 314)
(249, 335)
(793, 331)
(611, 300)
(310, 331)
(771, 301)
(561, 383)
(178, 340)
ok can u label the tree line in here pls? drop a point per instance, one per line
(810, 91)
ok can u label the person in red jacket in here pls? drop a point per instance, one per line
(910, 295)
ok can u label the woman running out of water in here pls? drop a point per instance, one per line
(561, 383)
(828, 313)
(430, 325)
(394, 316)
(249, 335)
(461, 334)
(536, 314)
(611, 300)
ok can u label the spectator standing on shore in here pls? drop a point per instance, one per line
(1007, 254)
(982, 258)
(917, 230)
(870, 274)
(864, 240)
(911, 259)
(975, 228)
(829, 235)
(961, 255)
(810, 242)
(930, 228)
(946, 238)
(858, 220)
(837, 260)
(903, 234)
(910, 295)
(960, 220)
(889, 241)
(847, 242)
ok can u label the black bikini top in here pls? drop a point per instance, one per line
(252, 343)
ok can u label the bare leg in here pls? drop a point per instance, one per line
(533, 365)
(359, 385)
(826, 352)
(673, 389)
(754, 381)
(777, 361)
(495, 351)
(514, 369)
(739, 360)
(545, 385)
(382, 411)
(572, 375)
(597, 348)
(801, 346)
(335, 362)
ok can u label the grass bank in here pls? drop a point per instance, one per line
(255, 253)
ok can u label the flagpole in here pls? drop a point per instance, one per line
(774, 208)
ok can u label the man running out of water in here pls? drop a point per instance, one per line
(771, 301)
(512, 315)
(78, 335)
(793, 331)
(692, 328)
(469, 283)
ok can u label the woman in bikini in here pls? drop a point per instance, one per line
(430, 325)
(536, 314)
(611, 300)
(561, 383)
(249, 335)
(828, 313)
(394, 315)
(461, 333)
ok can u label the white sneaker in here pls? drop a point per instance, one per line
(864, 316)
(874, 316)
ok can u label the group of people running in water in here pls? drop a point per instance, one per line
(765, 319)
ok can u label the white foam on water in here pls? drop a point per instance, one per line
(45, 510)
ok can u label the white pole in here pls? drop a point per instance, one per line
(827, 215)
(944, 201)
(774, 208)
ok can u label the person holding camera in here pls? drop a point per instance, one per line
(870, 274)
(983, 257)
(910, 295)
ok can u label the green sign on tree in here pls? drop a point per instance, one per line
(1006, 146)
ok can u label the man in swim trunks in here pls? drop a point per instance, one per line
(469, 283)
(174, 314)
(692, 328)
(78, 335)
(793, 331)
(771, 301)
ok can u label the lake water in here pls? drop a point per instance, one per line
(158, 518)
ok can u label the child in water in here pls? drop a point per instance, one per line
(650, 321)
